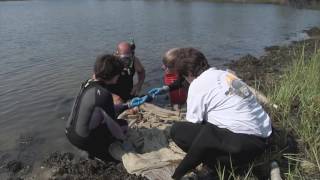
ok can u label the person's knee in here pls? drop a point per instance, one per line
(122, 122)
(173, 131)
(179, 130)
(235, 149)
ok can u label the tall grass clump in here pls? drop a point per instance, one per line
(297, 96)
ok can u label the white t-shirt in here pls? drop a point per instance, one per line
(219, 97)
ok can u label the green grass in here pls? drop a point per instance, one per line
(298, 98)
(300, 3)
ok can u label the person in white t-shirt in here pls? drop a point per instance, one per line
(224, 118)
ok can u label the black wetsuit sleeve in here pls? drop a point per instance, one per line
(104, 100)
(179, 83)
(119, 108)
(88, 99)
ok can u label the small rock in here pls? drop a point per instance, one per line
(14, 166)
(272, 48)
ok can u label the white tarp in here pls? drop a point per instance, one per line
(156, 158)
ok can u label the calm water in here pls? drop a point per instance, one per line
(48, 47)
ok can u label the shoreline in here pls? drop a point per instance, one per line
(301, 4)
(262, 72)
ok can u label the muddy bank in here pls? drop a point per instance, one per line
(261, 72)
(265, 71)
(66, 166)
(312, 4)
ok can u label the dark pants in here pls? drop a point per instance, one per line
(208, 144)
(97, 143)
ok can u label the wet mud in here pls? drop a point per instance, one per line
(264, 72)
(260, 72)
(67, 166)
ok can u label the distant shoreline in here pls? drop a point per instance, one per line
(310, 4)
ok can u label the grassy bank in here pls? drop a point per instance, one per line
(297, 95)
(309, 4)
(289, 76)
(294, 107)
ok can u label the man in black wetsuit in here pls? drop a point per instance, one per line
(125, 88)
(92, 125)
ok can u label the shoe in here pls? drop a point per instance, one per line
(116, 150)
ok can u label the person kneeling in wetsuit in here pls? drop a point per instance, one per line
(92, 125)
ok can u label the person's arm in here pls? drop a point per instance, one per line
(260, 97)
(113, 127)
(119, 108)
(104, 103)
(137, 101)
(196, 106)
(175, 85)
(141, 76)
(179, 83)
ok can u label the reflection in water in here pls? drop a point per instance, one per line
(48, 47)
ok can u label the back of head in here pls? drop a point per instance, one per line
(124, 49)
(191, 61)
(107, 66)
(170, 57)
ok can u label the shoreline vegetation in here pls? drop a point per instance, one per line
(298, 98)
(311, 4)
(288, 75)
(297, 95)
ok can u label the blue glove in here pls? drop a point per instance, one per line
(137, 101)
(158, 91)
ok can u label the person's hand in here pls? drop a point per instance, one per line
(158, 91)
(137, 101)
